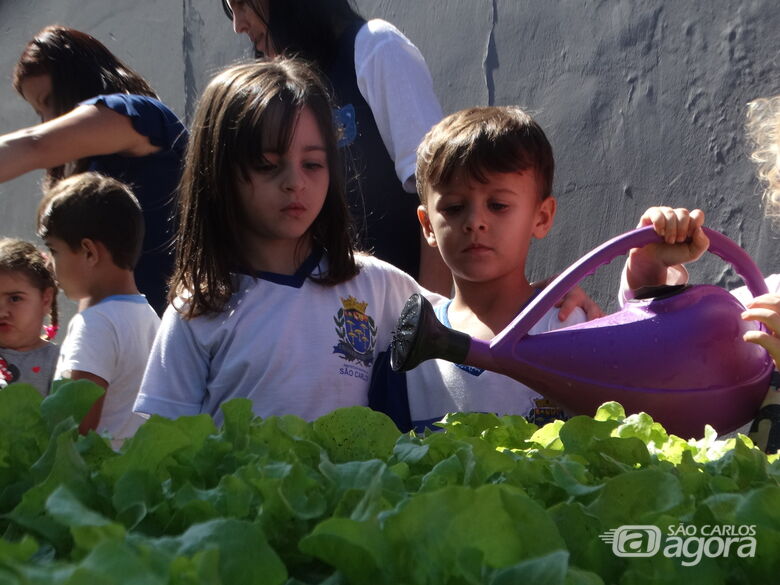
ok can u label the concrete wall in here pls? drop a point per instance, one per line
(642, 101)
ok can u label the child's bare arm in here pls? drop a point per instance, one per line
(661, 263)
(92, 418)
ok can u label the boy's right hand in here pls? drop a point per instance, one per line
(684, 241)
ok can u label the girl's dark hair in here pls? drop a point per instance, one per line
(305, 28)
(80, 67)
(24, 258)
(245, 111)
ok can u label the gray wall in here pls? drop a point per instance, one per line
(642, 101)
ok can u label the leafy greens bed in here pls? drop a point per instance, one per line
(348, 499)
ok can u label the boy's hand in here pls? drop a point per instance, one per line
(684, 241)
(766, 309)
(577, 297)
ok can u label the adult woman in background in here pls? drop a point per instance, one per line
(99, 115)
(386, 104)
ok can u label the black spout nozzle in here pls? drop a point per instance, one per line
(420, 336)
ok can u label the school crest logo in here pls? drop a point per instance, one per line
(356, 331)
(545, 411)
(346, 125)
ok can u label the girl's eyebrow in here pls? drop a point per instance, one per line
(308, 148)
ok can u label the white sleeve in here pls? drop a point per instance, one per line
(395, 82)
(174, 382)
(91, 345)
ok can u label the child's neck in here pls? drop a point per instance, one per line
(114, 281)
(484, 309)
(34, 343)
(283, 257)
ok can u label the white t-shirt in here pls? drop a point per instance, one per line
(287, 343)
(438, 387)
(112, 340)
(393, 78)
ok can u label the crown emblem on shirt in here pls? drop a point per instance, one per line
(352, 304)
(356, 330)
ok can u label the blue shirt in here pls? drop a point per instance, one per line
(154, 179)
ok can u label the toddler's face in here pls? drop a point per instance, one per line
(23, 307)
(484, 230)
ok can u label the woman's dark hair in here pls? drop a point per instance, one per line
(245, 111)
(18, 256)
(305, 28)
(80, 67)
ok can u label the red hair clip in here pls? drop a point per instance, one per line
(51, 331)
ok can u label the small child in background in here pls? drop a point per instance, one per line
(28, 294)
(93, 227)
(763, 128)
(485, 177)
(269, 299)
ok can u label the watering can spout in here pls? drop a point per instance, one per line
(420, 336)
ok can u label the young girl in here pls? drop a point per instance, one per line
(97, 114)
(28, 294)
(268, 300)
(763, 128)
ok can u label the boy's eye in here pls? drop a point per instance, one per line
(496, 206)
(16, 298)
(451, 209)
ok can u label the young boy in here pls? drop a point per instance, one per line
(93, 226)
(484, 176)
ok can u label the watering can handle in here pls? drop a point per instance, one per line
(720, 245)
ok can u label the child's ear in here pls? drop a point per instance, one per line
(48, 298)
(90, 250)
(427, 228)
(545, 214)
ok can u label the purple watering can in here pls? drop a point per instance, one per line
(677, 355)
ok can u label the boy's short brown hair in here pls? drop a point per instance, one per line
(477, 141)
(99, 208)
